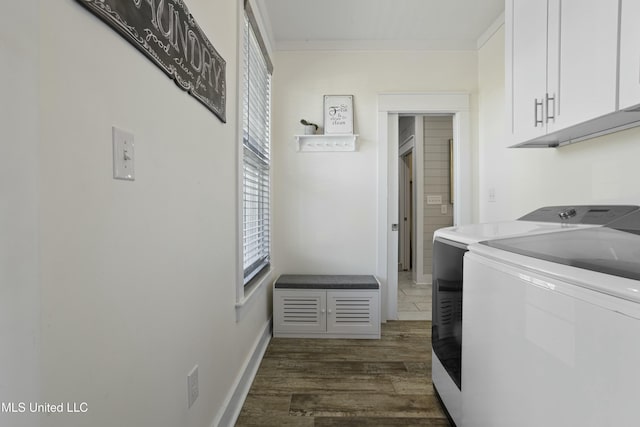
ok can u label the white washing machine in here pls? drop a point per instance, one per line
(450, 246)
(551, 328)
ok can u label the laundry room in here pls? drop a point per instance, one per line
(292, 212)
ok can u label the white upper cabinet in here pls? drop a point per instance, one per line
(526, 73)
(630, 54)
(583, 79)
(563, 69)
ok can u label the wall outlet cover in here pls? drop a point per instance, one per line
(192, 386)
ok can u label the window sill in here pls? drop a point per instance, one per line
(251, 293)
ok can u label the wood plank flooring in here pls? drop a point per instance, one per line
(332, 382)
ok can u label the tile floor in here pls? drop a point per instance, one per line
(414, 301)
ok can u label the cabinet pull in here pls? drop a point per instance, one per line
(553, 99)
(537, 104)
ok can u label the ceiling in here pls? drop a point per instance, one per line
(379, 24)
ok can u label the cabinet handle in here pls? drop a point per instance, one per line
(553, 99)
(322, 311)
(537, 104)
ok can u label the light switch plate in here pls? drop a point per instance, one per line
(434, 199)
(123, 155)
(192, 386)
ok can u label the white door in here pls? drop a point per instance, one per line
(405, 214)
(526, 68)
(353, 313)
(630, 54)
(299, 311)
(584, 76)
(392, 217)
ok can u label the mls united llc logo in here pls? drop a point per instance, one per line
(35, 407)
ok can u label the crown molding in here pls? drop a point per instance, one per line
(493, 28)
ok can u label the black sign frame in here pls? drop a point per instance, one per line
(169, 36)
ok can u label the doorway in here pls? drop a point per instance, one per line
(429, 137)
(390, 108)
(407, 142)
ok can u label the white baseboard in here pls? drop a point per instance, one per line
(233, 404)
(424, 279)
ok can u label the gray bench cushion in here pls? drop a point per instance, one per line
(315, 281)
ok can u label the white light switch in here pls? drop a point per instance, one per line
(123, 155)
(434, 199)
(192, 386)
(443, 209)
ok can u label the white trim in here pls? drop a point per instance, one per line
(418, 179)
(381, 232)
(392, 216)
(493, 28)
(235, 399)
(243, 304)
(389, 104)
(423, 103)
(376, 45)
(261, 14)
(407, 145)
(244, 296)
(424, 279)
(239, 166)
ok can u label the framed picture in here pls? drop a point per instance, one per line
(338, 114)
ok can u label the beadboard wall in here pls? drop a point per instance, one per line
(438, 130)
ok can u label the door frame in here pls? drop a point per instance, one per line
(389, 106)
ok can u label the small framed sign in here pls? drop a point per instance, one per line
(338, 114)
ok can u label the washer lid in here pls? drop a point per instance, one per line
(601, 249)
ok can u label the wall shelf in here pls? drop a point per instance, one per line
(337, 142)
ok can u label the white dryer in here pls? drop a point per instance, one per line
(449, 247)
(551, 328)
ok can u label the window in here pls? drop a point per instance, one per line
(256, 129)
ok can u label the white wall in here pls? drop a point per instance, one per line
(325, 204)
(136, 279)
(19, 288)
(601, 170)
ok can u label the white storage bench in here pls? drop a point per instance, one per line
(326, 306)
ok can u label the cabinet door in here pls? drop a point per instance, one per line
(630, 54)
(353, 312)
(299, 311)
(583, 77)
(526, 68)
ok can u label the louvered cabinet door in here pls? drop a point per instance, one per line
(353, 313)
(299, 311)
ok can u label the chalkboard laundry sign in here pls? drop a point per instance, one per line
(167, 34)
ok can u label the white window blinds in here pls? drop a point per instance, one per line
(256, 132)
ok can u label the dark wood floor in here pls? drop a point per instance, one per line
(330, 382)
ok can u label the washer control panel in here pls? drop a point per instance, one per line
(580, 214)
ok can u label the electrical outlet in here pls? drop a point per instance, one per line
(192, 386)
(492, 194)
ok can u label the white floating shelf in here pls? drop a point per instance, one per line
(338, 142)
